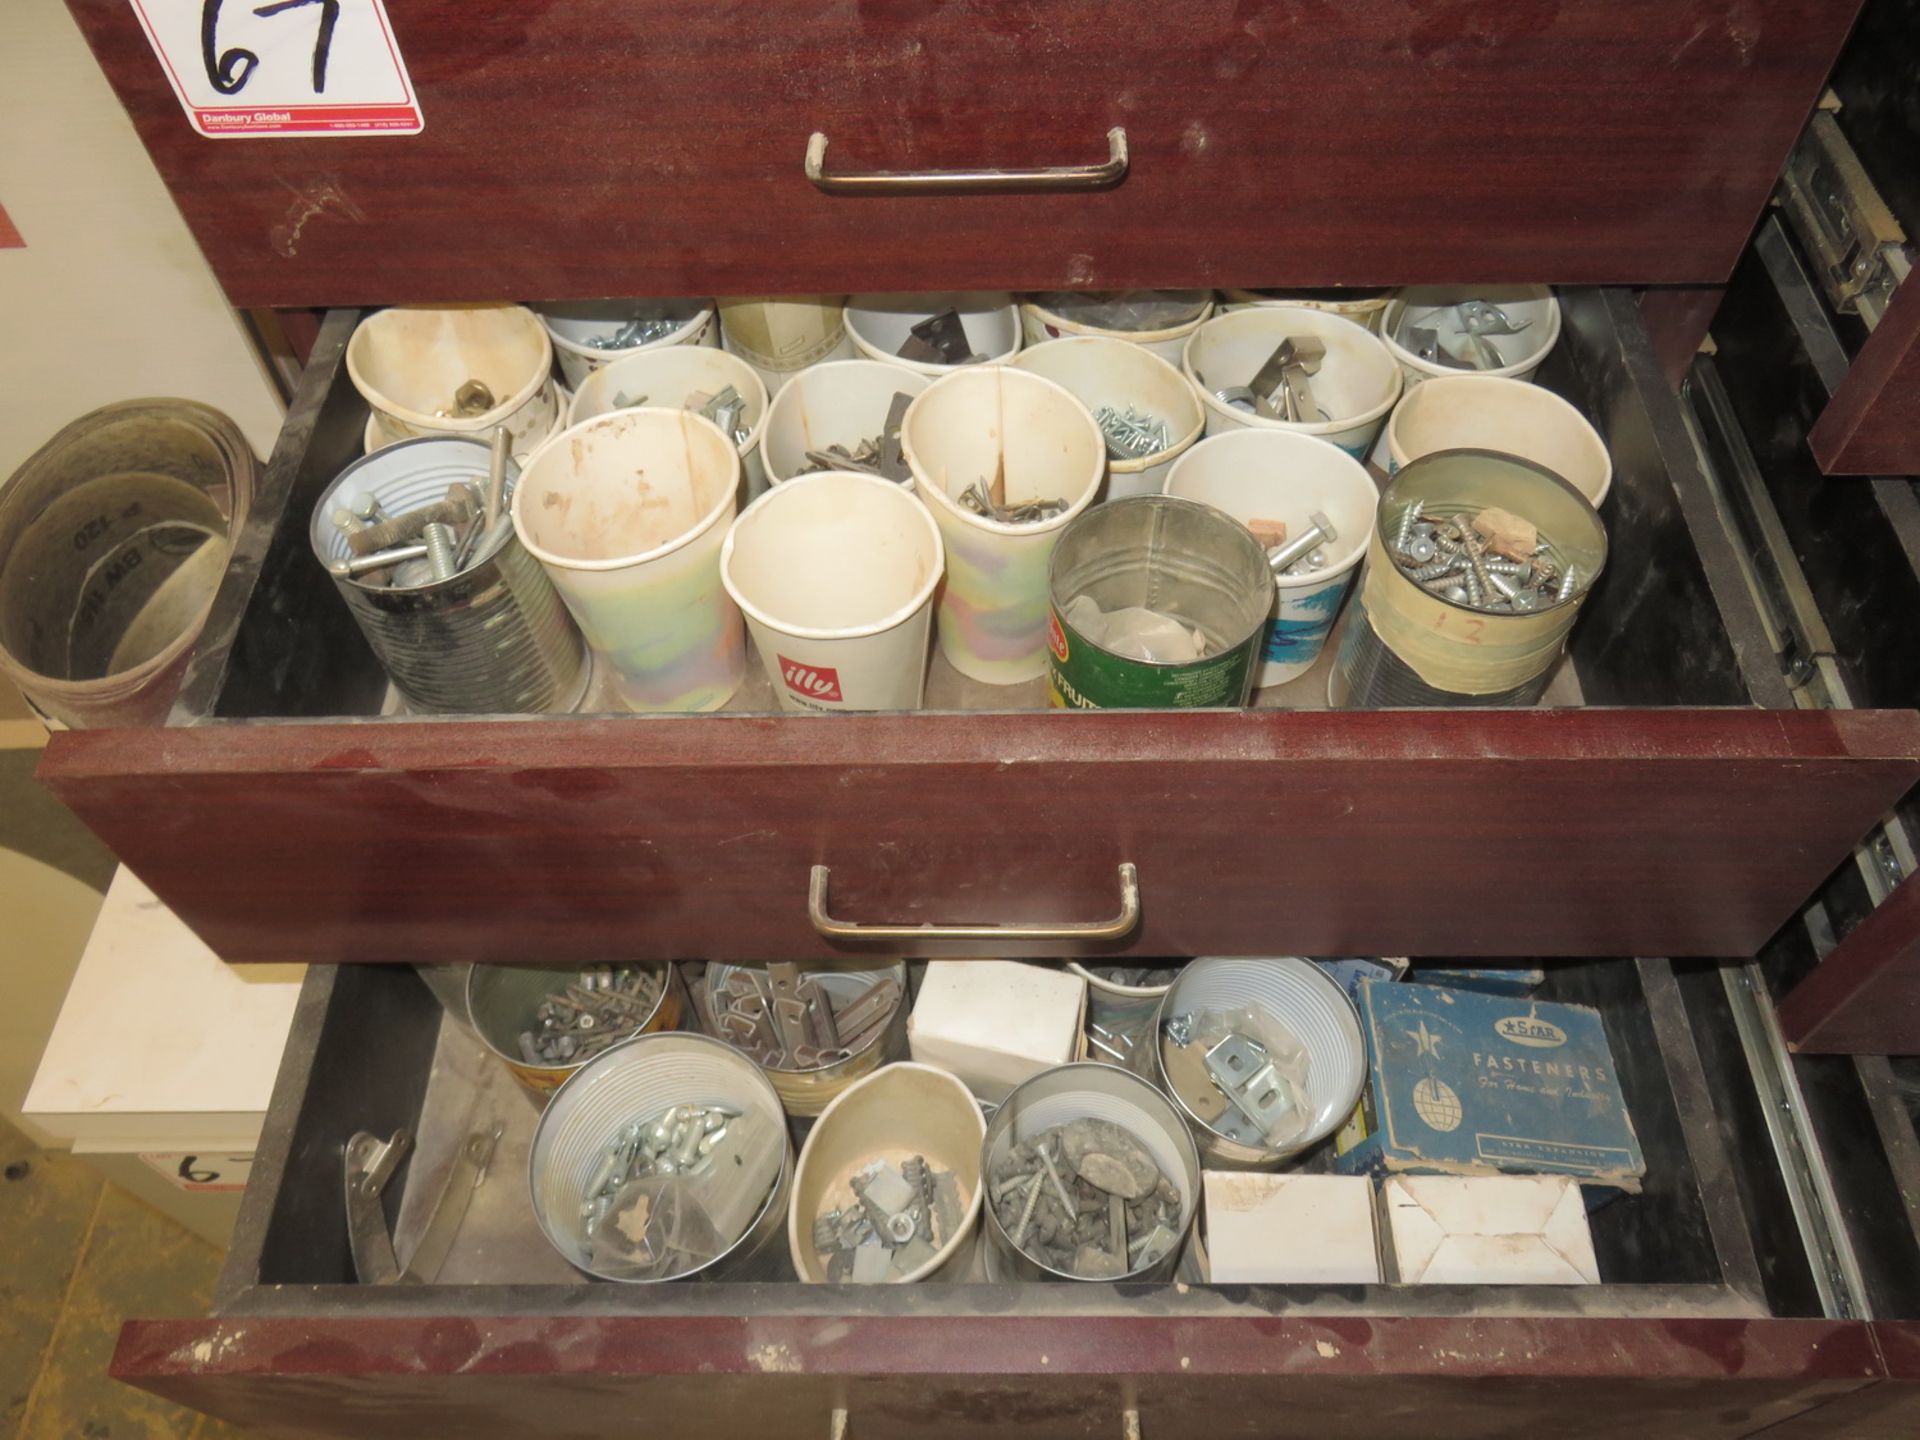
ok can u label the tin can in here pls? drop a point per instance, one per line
(1312, 1005)
(494, 639)
(1405, 646)
(1100, 1092)
(502, 1001)
(1181, 559)
(639, 1078)
(806, 1093)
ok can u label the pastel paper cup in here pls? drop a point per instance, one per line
(1532, 305)
(628, 512)
(1514, 417)
(669, 378)
(840, 403)
(971, 425)
(1356, 385)
(571, 323)
(1284, 476)
(880, 325)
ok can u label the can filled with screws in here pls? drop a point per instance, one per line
(865, 1020)
(665, 1158)
(1155, 602)
(545, 1024)
(1091, 1175)
(490, 638)
(1487, 626)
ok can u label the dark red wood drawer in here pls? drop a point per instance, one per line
(1691, 1334)
(282, 818)
(601, 146)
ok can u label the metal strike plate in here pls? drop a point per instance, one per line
(1253, 1088)
(1857, 248)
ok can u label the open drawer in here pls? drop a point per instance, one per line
(284, 817)
(1696, 1330)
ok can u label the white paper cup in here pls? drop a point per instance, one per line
(628, 512)
(408, 361)
(1362, 307)
(893, 1114)
(1356, 385)
(1486, 412)
(1100, 371)
(571, 323)
(840, 403)
(1524, 352)
(782, 335)
(667, 378)
(1038, 325)
(1285, 476)
(835, 573)
(977, 421)
(880, 324)
(376, 437)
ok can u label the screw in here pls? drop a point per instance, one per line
(1420, 549)
(440, 551)
(1567, 581)
(1439, 569)
(1026, 1211)
(1408, 519)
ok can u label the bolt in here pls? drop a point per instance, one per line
(1319, 531)
(440, 551)
(364, 505)
(379, 560)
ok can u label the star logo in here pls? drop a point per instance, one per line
(1428, 1042)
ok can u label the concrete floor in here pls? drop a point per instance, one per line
(82, 1256)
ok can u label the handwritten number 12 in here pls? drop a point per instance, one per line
(229, 70)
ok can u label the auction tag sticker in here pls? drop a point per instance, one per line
(283, 67)
(200, 1173)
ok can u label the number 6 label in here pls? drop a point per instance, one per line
(283, 67)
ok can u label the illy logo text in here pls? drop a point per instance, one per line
(822, 683)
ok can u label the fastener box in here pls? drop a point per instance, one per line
(995, 1023)
(1350, 972)
(1471, 1084)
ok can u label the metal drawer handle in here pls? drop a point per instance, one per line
(1117, 928)
(900, 182)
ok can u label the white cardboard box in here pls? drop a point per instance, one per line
(995, 1023)
(1489, 1230)
(1290, 1229)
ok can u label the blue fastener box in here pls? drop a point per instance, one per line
(1472, 1084)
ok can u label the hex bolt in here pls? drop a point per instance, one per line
(379, 560)
(1319, 531)
(440, 551)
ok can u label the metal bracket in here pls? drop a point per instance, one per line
(1858, 248)
(1247, 1078)
(370, 1165)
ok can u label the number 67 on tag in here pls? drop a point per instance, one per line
(285, 68)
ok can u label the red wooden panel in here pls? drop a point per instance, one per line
(1580, 832)
(1872, 424)
(1864, 998)
(773, 1377)
(611, 146)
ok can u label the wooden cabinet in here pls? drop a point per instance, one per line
(606, 147)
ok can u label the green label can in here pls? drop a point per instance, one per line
(1173, 556)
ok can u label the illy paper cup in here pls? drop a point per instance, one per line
(1100, 371)
(977, 424)
(1488, 412)
(1355, 386)
(840, 403)
(572, 323)
(782, 335)
(672, 377)
(1277, 475)
(628, 512)
(835, 573)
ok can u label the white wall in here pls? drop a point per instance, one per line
(110, 299)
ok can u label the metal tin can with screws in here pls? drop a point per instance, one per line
(1068, 1093)
(504, 1004)
(492, 639)
(807, 1089)
(1186, 561)
(1408, 646)
(646, 1076)
(1301, 998)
